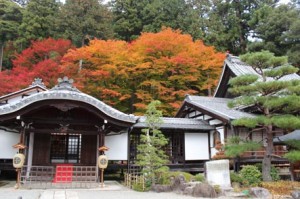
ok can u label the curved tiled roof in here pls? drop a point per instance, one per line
(66, 91)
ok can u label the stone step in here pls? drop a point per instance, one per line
(59, 194)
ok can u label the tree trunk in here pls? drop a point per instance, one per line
(242, 39)
(266, 164)
(1, 55)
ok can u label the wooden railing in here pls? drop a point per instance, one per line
(47, 177)
(261, 153)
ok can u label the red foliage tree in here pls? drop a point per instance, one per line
(41, 59)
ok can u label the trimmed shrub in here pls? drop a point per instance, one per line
(235, 177)
(138, 187)
(251, 176)
(199, 177)
(274, 172)
(165, 178)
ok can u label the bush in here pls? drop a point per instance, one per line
(217, 189)
(165, 178)
(162, 176)
(235, 177)
(274, 171)
(138, 187)
(251, 176)
(199, 177)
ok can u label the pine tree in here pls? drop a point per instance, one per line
(151, 157)
(294, 153)
(277, 100)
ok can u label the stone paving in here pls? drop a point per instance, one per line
(112, 190)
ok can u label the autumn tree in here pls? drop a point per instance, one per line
(41, 59)
(151, 156)
(161, 66)
(271, 93)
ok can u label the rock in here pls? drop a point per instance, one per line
(295, 194)
(161, 188)
(204, 190)
(178, 184)
(259, 192)
(188, 191)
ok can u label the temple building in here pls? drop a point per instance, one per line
(63, 126)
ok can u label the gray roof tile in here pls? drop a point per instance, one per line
(217, 106)
(177, 123)
(240, 68)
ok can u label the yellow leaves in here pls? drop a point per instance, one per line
(281, 187)
(111, 93)
(124, 97)
(164, 66)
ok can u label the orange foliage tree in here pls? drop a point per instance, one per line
(41, 59)
(162, 66)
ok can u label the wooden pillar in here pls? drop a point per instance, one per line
(225, 131)
(97, 155)
(209, 144)
(30, 153)
(21, 147)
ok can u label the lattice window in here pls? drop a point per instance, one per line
(65, 148)
(174, 148)
(134, 142)
(176, 141)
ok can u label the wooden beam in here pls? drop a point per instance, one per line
(69, 131)
(198, 115)
(62, 121)
(206, 112)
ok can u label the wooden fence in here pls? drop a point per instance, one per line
(133, 179)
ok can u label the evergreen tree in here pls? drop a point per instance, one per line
(278, 31)
(294, 153)
(82, 20)
(228, 23)
(10, 19)
(38, 21)
(21, 2)
(131, 18)
(278, 100)
(235, 147)
(151, 156)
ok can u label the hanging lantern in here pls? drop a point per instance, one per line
(18, 160)
(102, 162)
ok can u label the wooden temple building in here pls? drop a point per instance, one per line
(63, 126)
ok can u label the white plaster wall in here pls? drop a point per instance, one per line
(7, 140)
(118, 146)
(196, 146)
